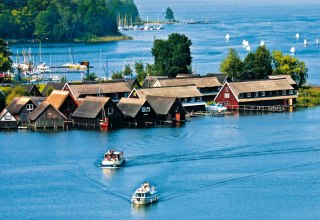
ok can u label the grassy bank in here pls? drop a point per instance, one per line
(103, 39)
(309, 96)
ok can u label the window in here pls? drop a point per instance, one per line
(199, 99)
(145, 109)
(226, 103)
(241, 95)
(256, 94)
(284, 92)
(263, 93)
(193, 99)
(185, 99)
(109, 111)
(29, 107)
(249, 95)
(270, 93)
(116, 95)
(226, 89)
(291, 92)
(125, 95)
(134, 93)
(7, 117)
(226, 95)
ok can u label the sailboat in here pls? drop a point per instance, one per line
(248, 48)
(227, 37)
(104, 120)
(317, 41)
(297, 35)
(292, 50)
(262, 43)
(305, 42)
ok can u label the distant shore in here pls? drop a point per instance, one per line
(88, 40)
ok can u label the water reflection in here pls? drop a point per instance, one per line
(108, 173)
(141, 211)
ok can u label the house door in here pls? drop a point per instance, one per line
(177, 116)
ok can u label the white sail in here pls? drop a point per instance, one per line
(305, 42)
(292, 50)
(227, 37)
(297, 35)
(262, 43)
(248, 48)
(317, 41)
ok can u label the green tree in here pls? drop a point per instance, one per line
(117, 75)
(5, 61)
(172, 56)
(90, 76)
(288, 65)
(49, 90)
(2, 100)
(127, 71)
(232, 65)
(141, 73)
(169, 14)
(17, 91)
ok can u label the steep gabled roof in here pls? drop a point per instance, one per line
(90, 107)
(17, 104)
(41, 109)
(54, 85)
(57, 98)
(130, 107)
(161, 105)
(287, 77)
(259, 86)
(4, 112)
(200, 82)
(101, 88)
(149, 80)
(177, 92)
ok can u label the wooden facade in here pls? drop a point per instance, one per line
(257, 93)
(46, 116)
(137, 111)
(20, 108)
(93, 110)
(7, 121)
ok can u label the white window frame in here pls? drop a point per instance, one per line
(248, 94)
(240, 95)
(185, 99)
(256, 94)
(8, 117)
(110, 111)
(199, 99)
(226, 95)
(263, 93)
(193, 99)
(29, 107)
(284, 92)
(291, 92)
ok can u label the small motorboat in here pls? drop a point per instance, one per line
(113, 159)
(145, 194)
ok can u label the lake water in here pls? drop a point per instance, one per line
(275, 24)
(250, 166)
(262, 166)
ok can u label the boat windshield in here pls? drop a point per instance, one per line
(140, 195)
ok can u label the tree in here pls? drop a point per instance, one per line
(2, 100)
(90, 76)
(49, 90)
(232, 65)
(5, 61)
(17, 91)
(141, 73)
(127, 70)
(169, 14)
(172, 56)
(288, 65)
(117, 75)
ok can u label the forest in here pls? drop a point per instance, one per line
(62, 20)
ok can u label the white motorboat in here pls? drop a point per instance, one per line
(217, 107)
(54, 77)
(113, 159)
(145, 194)
(227, 37)
(292, 50)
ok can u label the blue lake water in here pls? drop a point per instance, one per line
(250, 166)
(275, 24)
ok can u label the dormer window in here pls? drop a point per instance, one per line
(249, 95)
(227, 95)
(263, 93)
(291, 92)
(284, 92)
(256, 94)
(29, 107)
(241, 95)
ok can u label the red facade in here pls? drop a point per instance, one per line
(226, 97)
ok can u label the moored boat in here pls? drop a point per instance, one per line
(113, 159)
(145, 194)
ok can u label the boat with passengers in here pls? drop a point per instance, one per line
(145, 194)
(113, 159)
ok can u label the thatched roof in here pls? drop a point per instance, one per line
(200, 82)
(161, 105)
(259, 86)
(90, 107)
(220, 76)
(287, 77)
(57, 98)
(17, 104)
(41, 109)
(101, 88)
(149, 80)
(54, 85)
(130, 107)
(177, 92)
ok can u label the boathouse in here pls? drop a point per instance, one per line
(63, 101)
(94, 110)
(189, 96)
(137, 112)
(32, 90)
(209, 86)
(287, 77)
(7, 121)
(168, 109)
(114, 90)
(236, 95)
(21, 107)
(150, 80)
(46, 116)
